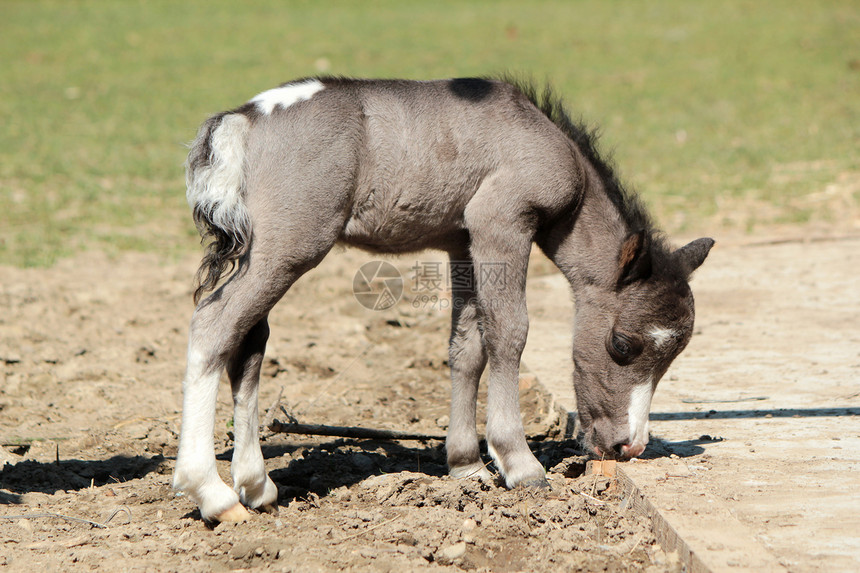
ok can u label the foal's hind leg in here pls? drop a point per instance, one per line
(210, 342)
(467, 357)
(250, 480)
(221, 334)
(228, 328)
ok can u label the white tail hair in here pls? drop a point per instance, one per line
(215, 179)
(216, 182)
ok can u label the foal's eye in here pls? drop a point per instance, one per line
(623, 348)
(621, 345)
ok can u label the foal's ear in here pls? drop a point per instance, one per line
(693, 254)
(634, 260)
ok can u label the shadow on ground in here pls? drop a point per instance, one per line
(659, 448)
(28, 476)
(318, 469)
(315, 469)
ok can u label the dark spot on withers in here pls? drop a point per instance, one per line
(471, 89)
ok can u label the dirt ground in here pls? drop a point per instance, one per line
(92, 355)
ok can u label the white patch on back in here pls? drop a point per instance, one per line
(662, 335)
(637, 413)
(287, 95)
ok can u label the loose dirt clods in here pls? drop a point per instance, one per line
(89, 418)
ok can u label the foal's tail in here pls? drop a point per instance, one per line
(215, 177)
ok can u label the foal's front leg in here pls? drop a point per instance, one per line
(250, 480)
(501, 262)
(505, 335)
(467, 358)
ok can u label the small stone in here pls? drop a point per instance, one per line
(363, 463)
(137, 430)
(385, 491)
(469, 525)
(453, 552)
(242, 549)
(144, 354)
(364, 516)
(340, 494)
(7, 457)
(10, 358)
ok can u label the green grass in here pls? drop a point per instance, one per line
(706, 104)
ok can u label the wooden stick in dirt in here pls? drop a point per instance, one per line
(348, 432)
(604, 468)
(273, 409)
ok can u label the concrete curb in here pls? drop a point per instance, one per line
(667, 536)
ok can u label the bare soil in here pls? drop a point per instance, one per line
(92, 355)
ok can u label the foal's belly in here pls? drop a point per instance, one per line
(405, 221)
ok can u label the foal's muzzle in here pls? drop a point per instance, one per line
(621, 451)
(612, 441)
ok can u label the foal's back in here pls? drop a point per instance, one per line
(404, 158)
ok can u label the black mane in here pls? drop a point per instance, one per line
(632, 210)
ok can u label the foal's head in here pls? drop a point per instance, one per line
(627, 335)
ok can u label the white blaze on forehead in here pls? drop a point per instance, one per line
(287, 95)
(662, 335)
(637, 413)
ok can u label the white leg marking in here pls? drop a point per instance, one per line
(662, 335)
(195, 473)
(476, 470)
(637, 413)
(248, 469)
(492, 451)
(286, 95)
(522, 468)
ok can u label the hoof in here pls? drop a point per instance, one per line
(269, 508)
(540, 483)
(476, 471)
(236, 513)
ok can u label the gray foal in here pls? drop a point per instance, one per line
(481, 169)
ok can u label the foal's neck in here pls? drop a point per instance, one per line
(586, 247)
